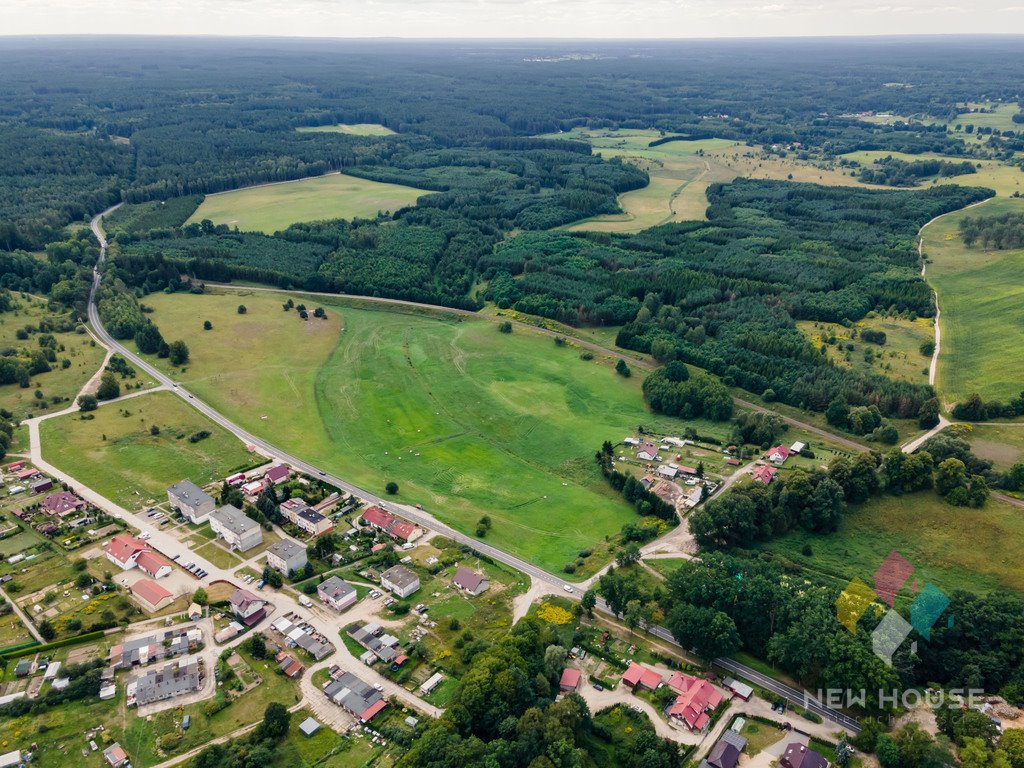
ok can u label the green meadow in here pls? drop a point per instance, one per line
(953, 547)
(982, 298)
(468, 421)
(272, 207)
(116, 454)
(999, 119)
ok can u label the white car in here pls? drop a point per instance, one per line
(378, 686)
(144, 535)
(567, 588)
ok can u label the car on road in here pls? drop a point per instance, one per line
(189, 565)
(568, 589)
(145, 535)
(374, 594)
(176, 556)
(378, 686)
(598, 686)
(321, 473)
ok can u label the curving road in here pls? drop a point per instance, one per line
(418, 516)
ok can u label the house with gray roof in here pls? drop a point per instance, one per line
(239, 531)
(175, 679)
(287, 556)
(337, 594)
(726, 752)
(400, 580)
(192, 501)
(354, 696)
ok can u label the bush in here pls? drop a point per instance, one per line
(241, 309)
(505, 327)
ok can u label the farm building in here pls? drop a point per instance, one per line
(154, 565)
(150, 595)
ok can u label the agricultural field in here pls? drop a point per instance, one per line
(953, 547)
(355, 129)
(982, 298)
(271, 207)
(466, 420)
(57, 387)
(899, 358)
(117, 454)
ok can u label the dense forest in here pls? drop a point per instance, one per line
(87, 123)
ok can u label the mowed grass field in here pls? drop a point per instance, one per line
(116, 454)
(468, 421)
(981, 293)
(999, 119)
(953, 547)
(272, 207)
(355, 129)
(1002, 444)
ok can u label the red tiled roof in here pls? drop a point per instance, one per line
(378, 517)
(570, 679)
(687, 470)
(278, 472)
(400, 659)
(254, 618)
(151, 562)
(782, 450)
(27, 473)
(637, 674)
(150, 591)
(696, 697)
(241, 598)
(122, 547)
(373, 711)
(765, 474)
(400, 529)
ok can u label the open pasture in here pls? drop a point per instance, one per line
(1003, 179)
(899, 358)
(116, 453)
(982, 298)
(466, 420)
(269, 208)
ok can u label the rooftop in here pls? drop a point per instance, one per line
(234, 520)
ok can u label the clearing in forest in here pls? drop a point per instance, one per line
(272, 207)
(354, 129)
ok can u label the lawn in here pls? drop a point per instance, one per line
(116, 454)
(218, 556)
(355, 129)
(324, 749)
(899, 358)
(466, 420)
(666, 566)
(955, 548)
(760, 735)
(272, 207)
(59, 385)
(982, 298)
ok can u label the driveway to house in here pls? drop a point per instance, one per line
(598, 700)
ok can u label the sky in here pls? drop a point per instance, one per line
(512, 18)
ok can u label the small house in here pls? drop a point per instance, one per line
(570, 680)
(337, 594)
(150, 595)
(400, 580)
(778, 455)
(647, 452)
(637, 675)
(764, 474)
(799, 755)
(470, 582)
(115, 755)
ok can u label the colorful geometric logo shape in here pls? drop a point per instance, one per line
(892, 576)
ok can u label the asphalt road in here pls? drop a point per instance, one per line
(410, 513)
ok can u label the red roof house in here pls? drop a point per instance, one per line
(276, 474)
(25, 474)
(764, 474)
(778, 454)
(63, 503)
(637, 674)
(124, 551)
(14, 466)
(152, 564)
(696, 698)
(151, 595)
(570, 679)
(384, 521)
